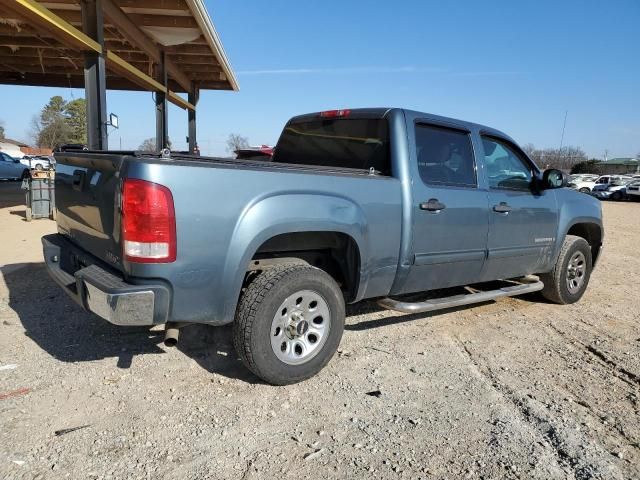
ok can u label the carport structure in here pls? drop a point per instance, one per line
(162, 46)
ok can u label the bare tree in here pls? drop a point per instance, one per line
(149, 145)
(236, 141)
(562, 158)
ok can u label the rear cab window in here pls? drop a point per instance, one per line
(343, 142)
(445, 156)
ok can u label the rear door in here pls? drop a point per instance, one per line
(522, 221)
(450, 218)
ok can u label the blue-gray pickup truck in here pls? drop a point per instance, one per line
(355, 204)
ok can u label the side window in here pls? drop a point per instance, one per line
(505, 168)
(445, 156)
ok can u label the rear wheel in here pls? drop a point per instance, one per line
(289, 323)
(616, 196)
(585, 190)
(568, 280)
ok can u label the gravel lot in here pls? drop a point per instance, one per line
(511, 389)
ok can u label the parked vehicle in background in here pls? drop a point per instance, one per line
(586, 186)
(583, 177)
(632, 190)
(582, 182)
(38, 162)
(614, 190)
(263, 152)
(356, 204)
(11, 168)
(71, 147)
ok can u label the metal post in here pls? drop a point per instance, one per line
(162, 134)
(194, 93)
(95, 84)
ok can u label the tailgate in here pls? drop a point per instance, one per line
(88, 202)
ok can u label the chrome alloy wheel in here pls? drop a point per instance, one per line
(300, 327)
(576, 270)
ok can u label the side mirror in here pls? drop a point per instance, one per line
(552, 178)
(15, 160)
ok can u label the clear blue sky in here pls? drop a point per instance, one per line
(514, 65)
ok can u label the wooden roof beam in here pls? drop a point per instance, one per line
(143, 19)
(179, 101)
(63, 31)
(137, 37)
(131, 73)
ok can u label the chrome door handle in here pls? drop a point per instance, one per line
(502, 207)
(433, 205)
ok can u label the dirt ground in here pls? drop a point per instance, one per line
(518, 388)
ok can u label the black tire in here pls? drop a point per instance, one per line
(256, 310)
(556, 287)
(585, 190)
(617, 196)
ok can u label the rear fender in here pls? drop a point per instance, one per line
(288, 212)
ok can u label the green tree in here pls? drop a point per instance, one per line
(60, 122)
(1, 130)
(588, 166)
(51, 129)
(76, 117)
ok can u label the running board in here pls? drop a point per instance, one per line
(531, 285)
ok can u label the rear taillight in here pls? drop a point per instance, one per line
(335, 113)
(148, 222)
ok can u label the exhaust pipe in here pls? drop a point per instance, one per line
(171, 334)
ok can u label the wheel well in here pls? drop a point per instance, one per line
(592, 234)
(334, 252)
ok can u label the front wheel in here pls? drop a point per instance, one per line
(568, 280)
(616, 196)
(585, 190)
(289, 323)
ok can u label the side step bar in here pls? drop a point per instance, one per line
(526, 285)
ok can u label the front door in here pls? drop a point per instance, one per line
(450, 218)
(523, 221)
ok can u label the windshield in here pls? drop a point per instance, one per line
(337, 142)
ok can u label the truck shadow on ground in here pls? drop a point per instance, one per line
(69, 334)
(65, 331)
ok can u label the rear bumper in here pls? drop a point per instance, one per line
(100, 291)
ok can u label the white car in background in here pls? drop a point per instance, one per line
(614, 188)
(632, 190)
(37, 162)
(582, 182)
(588, 186)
